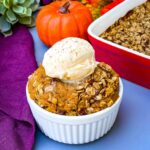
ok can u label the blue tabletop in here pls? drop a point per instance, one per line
(131, 130)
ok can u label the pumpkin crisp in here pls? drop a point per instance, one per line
(132, 30)
(95, 93)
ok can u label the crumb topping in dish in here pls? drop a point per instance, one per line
(95, 93)
(132, 30)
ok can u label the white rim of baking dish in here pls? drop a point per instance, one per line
(74, 118)
(107, 15)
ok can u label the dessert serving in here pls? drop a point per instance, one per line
(71, 82)
(73, 98)
(132, 30)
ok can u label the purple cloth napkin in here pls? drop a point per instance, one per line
(45, 2)
(17, 61)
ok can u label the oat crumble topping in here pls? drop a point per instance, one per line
(95, 93)
(132, 30)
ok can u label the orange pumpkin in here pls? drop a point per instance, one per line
(61, 19)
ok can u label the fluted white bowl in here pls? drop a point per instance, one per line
(75, 129)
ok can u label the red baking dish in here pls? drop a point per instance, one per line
(131, 65)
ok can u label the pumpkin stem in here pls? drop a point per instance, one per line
(64, 9)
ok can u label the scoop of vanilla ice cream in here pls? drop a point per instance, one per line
(70, 59)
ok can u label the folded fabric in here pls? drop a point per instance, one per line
(17, 62)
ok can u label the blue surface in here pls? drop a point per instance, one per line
(131, 130)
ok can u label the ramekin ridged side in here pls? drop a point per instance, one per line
(75, 129)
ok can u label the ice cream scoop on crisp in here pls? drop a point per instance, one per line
(70, 59)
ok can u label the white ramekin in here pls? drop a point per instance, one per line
(75, 129)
